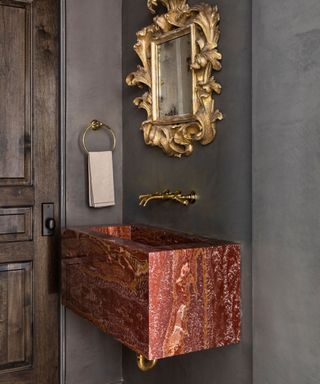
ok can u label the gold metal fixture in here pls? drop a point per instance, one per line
(167, 195)
(145, 364)
(176, 134)
(95, 125)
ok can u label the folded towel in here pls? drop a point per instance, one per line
(101, 184)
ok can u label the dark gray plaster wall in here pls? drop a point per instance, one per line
(93, 90)
(220, 173)
(286, 185)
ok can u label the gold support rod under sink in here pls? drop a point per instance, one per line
(144, 364)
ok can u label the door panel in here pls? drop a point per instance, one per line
(15, 108)
(15, 316)
(15, 224)
(20, 196)
(16, 252)
(29, 176)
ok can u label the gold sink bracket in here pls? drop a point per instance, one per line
(177, 196)
(144, 364)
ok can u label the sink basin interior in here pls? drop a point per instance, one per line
(149, 236)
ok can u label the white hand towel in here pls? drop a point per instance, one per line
(101, 184)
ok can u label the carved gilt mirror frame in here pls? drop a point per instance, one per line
(176, 135)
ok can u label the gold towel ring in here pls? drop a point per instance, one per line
(95, 125)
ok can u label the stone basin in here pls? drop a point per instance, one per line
(159, 292)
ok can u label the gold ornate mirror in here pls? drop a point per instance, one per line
(178, 54)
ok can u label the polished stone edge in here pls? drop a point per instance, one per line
(93, 275)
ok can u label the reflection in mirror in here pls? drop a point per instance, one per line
(179, 56)
(175, 77)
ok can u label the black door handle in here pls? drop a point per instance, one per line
(50, 224)
(48, 221)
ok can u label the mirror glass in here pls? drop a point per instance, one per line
(175, 77)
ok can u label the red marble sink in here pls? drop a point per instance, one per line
(159, 292)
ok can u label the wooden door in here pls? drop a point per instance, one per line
(29, 177)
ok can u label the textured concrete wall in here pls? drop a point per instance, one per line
(286, 199)
(93, 90)
(220, 173)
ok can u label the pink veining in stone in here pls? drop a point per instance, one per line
(159, 292)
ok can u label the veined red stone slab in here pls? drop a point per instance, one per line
(159, 292)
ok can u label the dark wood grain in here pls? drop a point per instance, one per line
(16, 316)
(11, 223)
(16, 251)
(17, 377)
(46, 133)
(15, 224)
(3, 318)
(15, 84)
(29, 176)
(16, 298)
(17, 196)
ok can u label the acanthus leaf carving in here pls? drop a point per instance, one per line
(177, 139)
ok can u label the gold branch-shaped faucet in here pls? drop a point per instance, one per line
(167, 195)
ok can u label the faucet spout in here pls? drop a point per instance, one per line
(184, 199)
